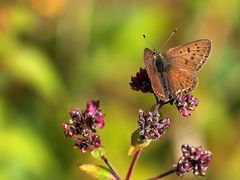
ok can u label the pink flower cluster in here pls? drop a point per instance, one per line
(83, 124)
(193, 159)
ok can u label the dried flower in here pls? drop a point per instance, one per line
(151, 126)
(141, 82)
(186, 103)
(83, 124)
(193, 159)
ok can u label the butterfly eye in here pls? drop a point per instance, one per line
(155, 52)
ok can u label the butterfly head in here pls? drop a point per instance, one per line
(155, 52)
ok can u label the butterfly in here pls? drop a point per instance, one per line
(174, 72)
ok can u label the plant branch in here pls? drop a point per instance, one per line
(163, 175)
(113, 172)
(134, 162)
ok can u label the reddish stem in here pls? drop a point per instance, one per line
(134, 162)
(163, 175)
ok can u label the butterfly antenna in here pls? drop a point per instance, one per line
(148, 41)
(174, 31)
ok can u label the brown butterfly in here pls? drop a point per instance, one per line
(174, 72)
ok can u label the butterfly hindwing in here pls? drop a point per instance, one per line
(180, 80)
(190, 56)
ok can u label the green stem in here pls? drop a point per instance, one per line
(113, 172)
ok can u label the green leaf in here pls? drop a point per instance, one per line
(98, 153)
(137, 143)
(97, 171)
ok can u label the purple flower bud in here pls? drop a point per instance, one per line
(141, 82)
(81, 144)
(96, 141)
(195, 101)
(74, 112)
(193, 159)
(151, 126)
(69, 130)
(100, 120)
(88, 143)
(184, 111)
(186, 103)
(92, 107)
(93, 115)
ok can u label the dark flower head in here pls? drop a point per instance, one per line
(186, 103)
(83, 124)
(193, 159)
(151, 126)
(141, 82)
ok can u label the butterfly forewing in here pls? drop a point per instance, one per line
(191, 56)
(180, 80)
(154, 76)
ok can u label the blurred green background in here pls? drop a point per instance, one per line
(58, 54)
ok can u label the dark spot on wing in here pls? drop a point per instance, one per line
(188, 49)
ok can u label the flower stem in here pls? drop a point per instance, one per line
(163, 175)
(134, 162)
(113, 172)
